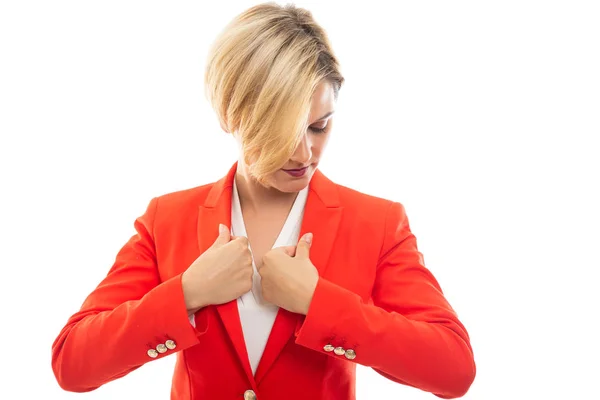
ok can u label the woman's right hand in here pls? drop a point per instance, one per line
(222, 273)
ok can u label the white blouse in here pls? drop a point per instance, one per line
(257, 315)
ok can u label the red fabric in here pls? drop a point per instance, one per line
(374, 296)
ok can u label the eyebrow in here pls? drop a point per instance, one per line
(325, 116)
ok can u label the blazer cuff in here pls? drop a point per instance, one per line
(174, 320)
(326, 311)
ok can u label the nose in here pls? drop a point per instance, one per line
(303, 152)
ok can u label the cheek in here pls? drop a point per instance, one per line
(319, 144)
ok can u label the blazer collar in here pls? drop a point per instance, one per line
(322, 216)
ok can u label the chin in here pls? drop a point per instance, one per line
(288, 184)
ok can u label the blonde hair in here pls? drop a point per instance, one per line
(261, 73)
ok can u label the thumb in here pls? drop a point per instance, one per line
(303, 247)
(289, 250)
(224, 236)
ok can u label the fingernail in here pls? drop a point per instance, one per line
(308, 238)
(222, 228)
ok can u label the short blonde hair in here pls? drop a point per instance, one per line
(261, 73)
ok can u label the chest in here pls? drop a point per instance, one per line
(262, 232)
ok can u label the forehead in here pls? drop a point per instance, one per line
(323, 101)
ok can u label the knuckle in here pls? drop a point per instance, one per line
(264, 272)
(237, 251)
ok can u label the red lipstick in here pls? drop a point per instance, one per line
(296, 173)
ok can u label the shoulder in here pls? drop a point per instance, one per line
(184, 200)
(377, 212)
(381, 220)
(175, 210)
(371, 207)
(354, 197)
(376, 219)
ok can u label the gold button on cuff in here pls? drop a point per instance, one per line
(339, 351)
(170, 344)
(350, 354)
(249, 395)
(161, 348)
(152, 353)
(328, 348)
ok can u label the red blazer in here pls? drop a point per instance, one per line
(375, 301)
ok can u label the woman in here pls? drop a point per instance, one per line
(273, 282)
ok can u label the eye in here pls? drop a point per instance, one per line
(317, 129)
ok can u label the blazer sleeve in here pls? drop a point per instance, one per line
(125, 318)
(407, 331)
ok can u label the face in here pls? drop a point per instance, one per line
(296, 174)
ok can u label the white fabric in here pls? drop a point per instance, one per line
(256, 315)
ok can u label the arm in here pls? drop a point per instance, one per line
(407, 333)
(128, 314)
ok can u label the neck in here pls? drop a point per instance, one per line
(255, 197)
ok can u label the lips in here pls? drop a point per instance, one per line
(296, 169)
(296, 172)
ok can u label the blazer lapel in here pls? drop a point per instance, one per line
(217, 210)
(322, 216)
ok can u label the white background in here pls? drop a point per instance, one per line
(481, 117)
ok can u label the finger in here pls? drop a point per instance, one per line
(303, 247)
(289, 250)
(242, 239)
(224, 236)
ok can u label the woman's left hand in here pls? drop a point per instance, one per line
(288, 277)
